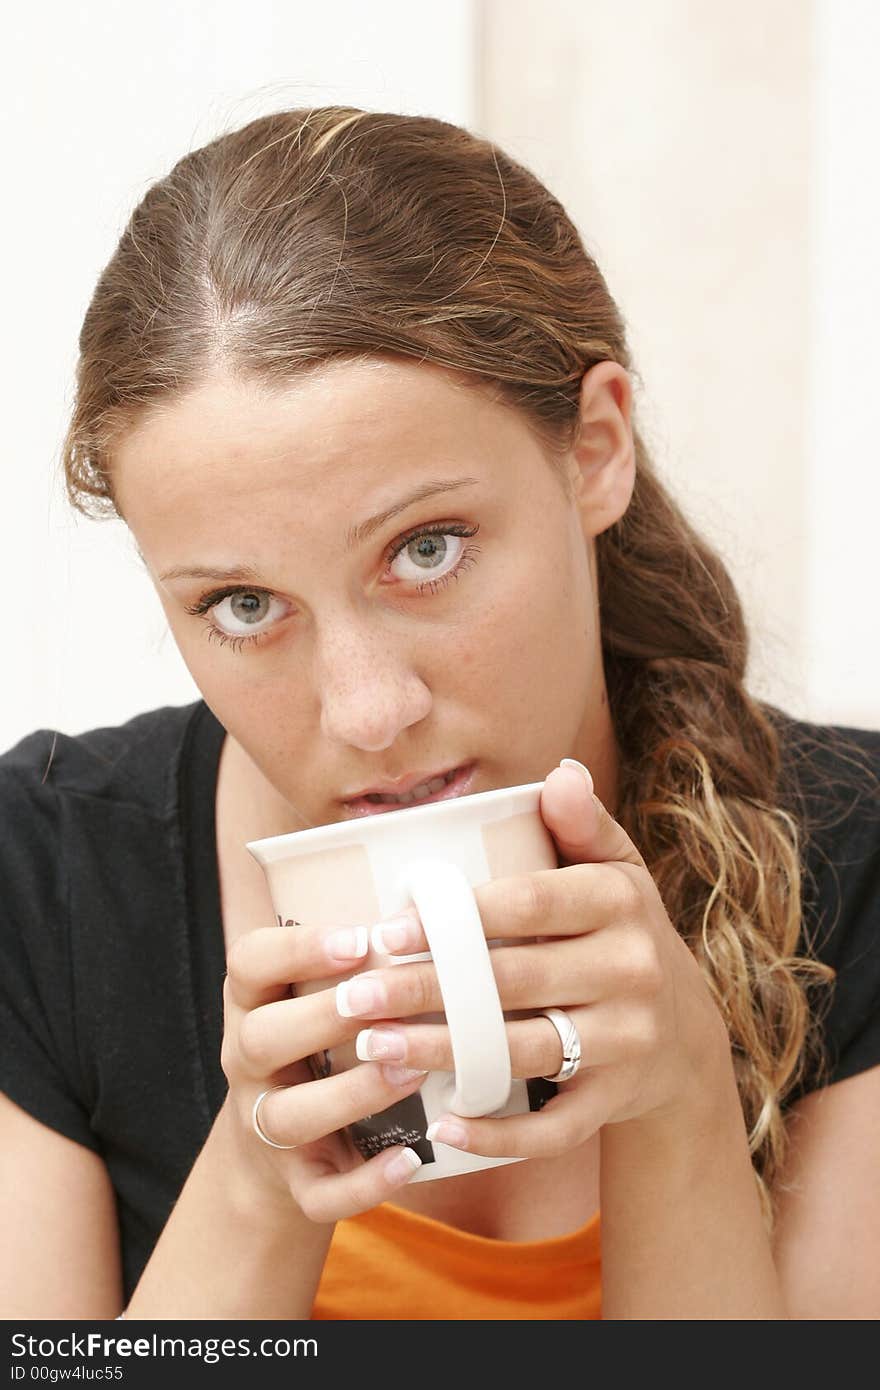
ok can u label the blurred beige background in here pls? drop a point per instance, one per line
(719, 161)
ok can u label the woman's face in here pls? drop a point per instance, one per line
(371, 572)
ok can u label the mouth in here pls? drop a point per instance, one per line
(444, 787)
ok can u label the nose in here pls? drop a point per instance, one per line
(369, 688)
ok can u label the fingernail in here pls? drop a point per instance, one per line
(572, 762)
(360, 995)
(394, 935)
(350, 943)
(447, 1132)
(380, 1044)
(401, 1076)
(402, 1166)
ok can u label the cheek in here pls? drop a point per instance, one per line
(538, 634)
(224, 678)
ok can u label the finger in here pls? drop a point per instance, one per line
(608, 1033)
(298, 1115)
(546, 902)
(586, 968)
(535, 1049)
(286, 1031)
(583, 830)
(348, 1194)
(565, 1122)
(262, 964)
(568, 901)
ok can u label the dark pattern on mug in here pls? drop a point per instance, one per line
(403, 1123)
(540, 1091)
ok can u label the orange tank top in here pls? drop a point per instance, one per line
(394, 1264)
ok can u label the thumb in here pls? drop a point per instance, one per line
(584, 832)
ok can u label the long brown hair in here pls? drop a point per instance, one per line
(315, 234)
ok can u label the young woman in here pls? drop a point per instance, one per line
(366, 406)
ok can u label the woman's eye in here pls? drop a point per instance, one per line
(238, 617)
(246, 612)
(431, 555)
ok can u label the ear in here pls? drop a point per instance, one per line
(602, 463)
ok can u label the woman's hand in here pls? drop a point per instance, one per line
(268, 1037)
(652, 1039)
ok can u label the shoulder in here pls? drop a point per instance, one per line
(72, 799)
(93, 902)
(830, 785)
(829, 772)
(128, 762)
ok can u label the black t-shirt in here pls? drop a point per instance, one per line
(111, 938)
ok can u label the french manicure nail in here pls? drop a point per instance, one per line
(402, 1166)
(394, 935)
(349, 943)
(360, 995)
(447, 1132)
(573, 762)
(380, 1045)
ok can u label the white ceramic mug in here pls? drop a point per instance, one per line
(368, 868)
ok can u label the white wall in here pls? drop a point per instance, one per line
(97, 101)
(843, 463)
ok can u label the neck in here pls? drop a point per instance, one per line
(596, 747)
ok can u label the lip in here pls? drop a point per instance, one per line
(459, 786)
(396, 786)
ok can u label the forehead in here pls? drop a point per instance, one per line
(334, 420)
(235, 456)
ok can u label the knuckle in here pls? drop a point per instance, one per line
(641, 964)
(229, 1059)
(534, 1050)
(649, 968)
(254, 1042)
(239, 957)
(428, 1048)
(529, 902)
(644, 1031)
(419, 990)
(557, 1142)
(360, 1088)
(368, 1185)
(519, 971)
(310, 1204)
(625, 891)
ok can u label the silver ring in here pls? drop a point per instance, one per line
(571, 1044)
(255, 1120)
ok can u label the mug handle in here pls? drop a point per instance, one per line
(448, 910)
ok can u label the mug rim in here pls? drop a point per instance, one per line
(356, 827)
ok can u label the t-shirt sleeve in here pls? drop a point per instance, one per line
(841, 900)
(40, 1069)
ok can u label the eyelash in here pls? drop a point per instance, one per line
(203, 606)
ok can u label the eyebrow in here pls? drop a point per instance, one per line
(356, 535)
